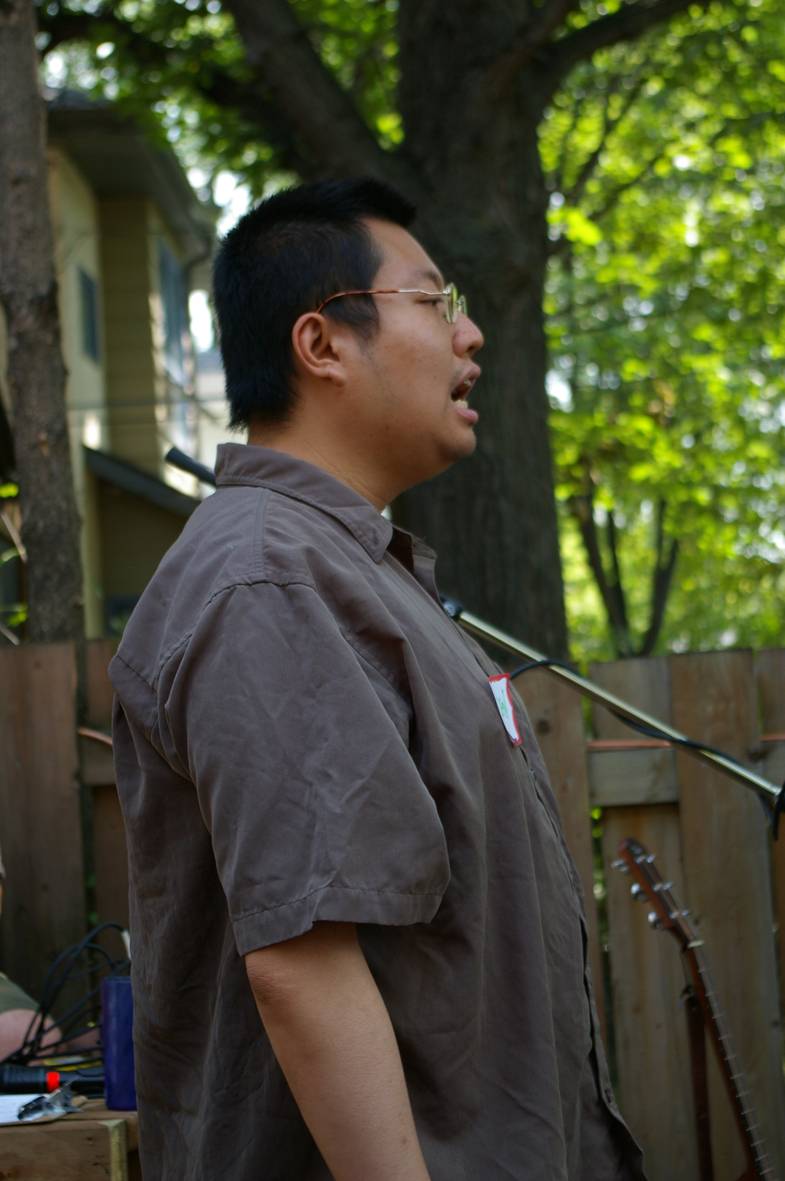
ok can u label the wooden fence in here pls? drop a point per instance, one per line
(709, 835)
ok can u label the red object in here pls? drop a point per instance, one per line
(52, 1080)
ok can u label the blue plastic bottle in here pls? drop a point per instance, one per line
(117, 1021)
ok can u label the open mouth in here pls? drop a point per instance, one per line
(460, 396)
(461, 392)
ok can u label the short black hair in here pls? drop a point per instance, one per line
(283, 258)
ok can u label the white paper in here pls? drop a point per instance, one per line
(9, 1106)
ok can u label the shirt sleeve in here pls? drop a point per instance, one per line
(298, 748)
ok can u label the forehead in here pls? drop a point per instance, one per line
(404, 261)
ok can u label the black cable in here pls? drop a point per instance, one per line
(545, 662)
(772, 812)
(454, 608)
(66, 969)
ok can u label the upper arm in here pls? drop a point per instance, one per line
(315, 807)
(307, 965)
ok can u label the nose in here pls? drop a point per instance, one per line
(467, 337)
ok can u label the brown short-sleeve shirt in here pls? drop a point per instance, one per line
(302, 734)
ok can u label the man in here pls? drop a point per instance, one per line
(330, 825)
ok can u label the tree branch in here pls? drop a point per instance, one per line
(616, 586)
(552, 15)
(628, 23)
(581, 508)
(318, 113)
(609, 124)
(616, 192)
(662, 579)
(558, 175)
(535, 35)
(249, 99)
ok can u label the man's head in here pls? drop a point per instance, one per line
(283, 258)
(342, 342)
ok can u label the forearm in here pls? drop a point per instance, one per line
(332, 1036)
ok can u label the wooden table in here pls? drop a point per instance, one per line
(87, 1145)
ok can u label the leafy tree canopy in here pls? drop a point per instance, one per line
(666, 302)
(663, 159)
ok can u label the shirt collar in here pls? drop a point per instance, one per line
(242, 463)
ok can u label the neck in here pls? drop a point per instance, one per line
(330, 458)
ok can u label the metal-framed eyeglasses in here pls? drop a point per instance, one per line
(454, 303)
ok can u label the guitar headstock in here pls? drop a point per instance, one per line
(649, 886)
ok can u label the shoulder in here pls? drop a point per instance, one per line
(241, 544)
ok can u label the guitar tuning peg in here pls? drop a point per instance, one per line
(649, 858)
(654, 919)
(637, 892)
(660, 886)
(685, 913)
(620, 865)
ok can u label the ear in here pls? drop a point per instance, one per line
(318, 348)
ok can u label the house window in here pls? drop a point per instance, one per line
(175, 309)
(88, 302)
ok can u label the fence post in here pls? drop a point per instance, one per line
(557, 718)
(638, 793)
(40, 810)
(770, 676)
(728, 877)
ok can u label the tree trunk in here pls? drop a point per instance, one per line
(493, 517)
(474, 142)
(475, 81)
(36, 373)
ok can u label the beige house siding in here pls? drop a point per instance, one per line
(75, 229)
(134, 536)
(177, 410)
(119, 206)
(131, 377)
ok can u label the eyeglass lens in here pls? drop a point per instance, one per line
(456, 304)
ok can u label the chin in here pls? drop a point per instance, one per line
(466, 447)
(457, 451)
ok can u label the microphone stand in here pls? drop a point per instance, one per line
(773, 796)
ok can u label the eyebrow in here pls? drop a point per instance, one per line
(432, 275)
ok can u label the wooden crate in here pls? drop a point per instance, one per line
(90, 1145)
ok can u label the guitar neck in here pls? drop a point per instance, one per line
(732, 1074)
(667, 914)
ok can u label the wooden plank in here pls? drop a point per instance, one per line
(557, 718)
(65, 1150)
(99, 687)
(96, 763)
(110, 860)
(110, 857)
(770, 680)
(650, 1046)
(728, 884)
(40, 813)
(650, 1041)
(626, 777)
(644, 683)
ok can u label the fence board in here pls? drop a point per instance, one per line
(649, 1025)
(110, 858)
(770, 677)
(40, 811)
(727, 874)
(650, 1038)
(99, 688)
(619, 777)
(673, 805)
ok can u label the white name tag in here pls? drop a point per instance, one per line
(500, 687)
